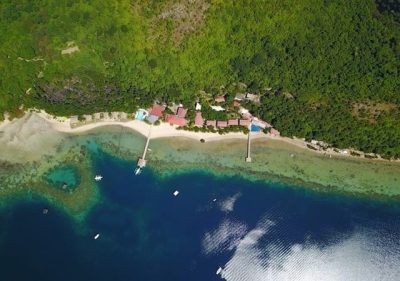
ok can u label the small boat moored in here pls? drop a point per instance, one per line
(96, 236)
(98, 178)
(138, 170)
(176, 192)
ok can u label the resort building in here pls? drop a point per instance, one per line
(275, 132)
(181, 112)
(217, 108)
(157, 110)
(198, 120)
(220, 99)
(233, 122)
(240, 97)
(155, 113)
(175, 120)
(244, 122)
(252, 97)
(247, 115)
(212, 123)
(222, 124)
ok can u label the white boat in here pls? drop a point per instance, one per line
(138, 171)
(219, 271)
(176, 192)
(96, 236)
(98, 178)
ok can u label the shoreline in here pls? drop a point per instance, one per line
(165, 130)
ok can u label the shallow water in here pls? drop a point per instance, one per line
(254, 231)
(289, 215)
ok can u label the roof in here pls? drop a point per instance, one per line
(244, 122)
(240, 97)
(198, 106)
(217, 108)
(157, 110)
(181, 112)
(220, 99)
(152, 118)
(199, 120)
(253, 97)
(247, 116)
(233, 122)
(222, 124)
(212, 123)
(175, 120)
(236, 103)
(275, 132)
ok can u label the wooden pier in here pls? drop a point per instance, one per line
(248, 158)
(142, 160)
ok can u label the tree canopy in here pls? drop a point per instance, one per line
(74, 57)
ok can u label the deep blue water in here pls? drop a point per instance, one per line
(252, 230)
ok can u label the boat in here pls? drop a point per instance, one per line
(96, 236)
(138, 171)
(176, 192)
(98, 178)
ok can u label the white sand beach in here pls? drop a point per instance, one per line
(25, 137)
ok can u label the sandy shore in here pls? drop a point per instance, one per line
(164, 130)
(34, 122)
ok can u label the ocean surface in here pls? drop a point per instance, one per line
(251, 230)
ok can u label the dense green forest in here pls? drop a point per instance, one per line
(326, 69)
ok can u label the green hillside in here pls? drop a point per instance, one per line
(327, 69)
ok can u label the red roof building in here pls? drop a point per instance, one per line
(157, 110)
(275, 132)
(212, 123)
(181, 112)
(236, 103)
(198, 120)
(222, 124)
(247, 115)
(233, 122)
(175, 120)
(244, 122)
(220, 99)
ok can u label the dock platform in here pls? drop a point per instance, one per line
(142, 160)
(248, 158)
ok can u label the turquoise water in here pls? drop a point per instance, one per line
(252, 230)
(65, 177)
